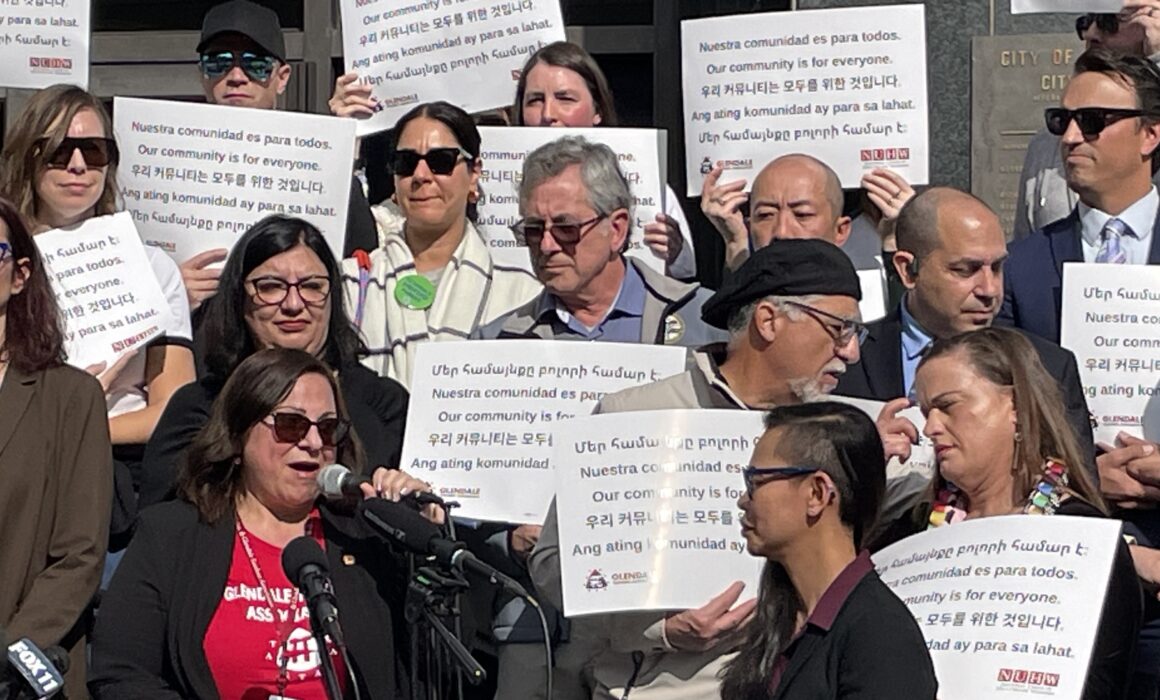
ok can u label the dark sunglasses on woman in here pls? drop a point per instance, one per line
(97, 152)
(257, 68)
(1090, 120)
(292, 427)
(1106, 23)
(441, 161)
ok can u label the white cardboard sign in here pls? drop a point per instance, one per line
(647, 508)
(847, 86)
(1111, 321)
(1019, 7)
(467, 52)
(1009, 605)
(196, 176)
(642, 155)
(109, 298)
(44, 42)
(483, 414)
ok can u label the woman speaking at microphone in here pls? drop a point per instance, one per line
(200, 606)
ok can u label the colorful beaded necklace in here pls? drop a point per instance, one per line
(950, 505)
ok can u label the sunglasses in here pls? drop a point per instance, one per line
(843, 330)
(531, 231)
(5, 252)
(440, 161)
(292, 427)
(1090, 120)
(97, 152)
(1106, 23)
(257, 68)
(768, 474)
(271, 291)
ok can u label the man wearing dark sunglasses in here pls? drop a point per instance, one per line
(577, 211)
(1043, 195)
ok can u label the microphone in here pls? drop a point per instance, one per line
(337, 482)
(423, 537)
(305, 566)
(42, 671)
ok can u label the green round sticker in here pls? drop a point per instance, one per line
(415, 292)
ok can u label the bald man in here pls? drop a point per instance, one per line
(794, 196)
(951, 251)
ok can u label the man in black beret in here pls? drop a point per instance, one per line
(792, 314)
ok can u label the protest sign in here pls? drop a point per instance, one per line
(44, 43)
(847, 86)
(642, 155)
(196, 176)
(1019, 7)
(469, 52)
(109, 298)
(647, 508)
(482, 414)
(1009, 605)
(1111, 321)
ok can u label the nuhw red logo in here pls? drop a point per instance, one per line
(50, 62)
(1020, 676)
(884, 155)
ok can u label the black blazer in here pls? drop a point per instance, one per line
(873, 651)
(1033, 275)
(148, 640)
(378, 413)
(878, 376)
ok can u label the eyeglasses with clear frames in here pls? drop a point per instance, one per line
(842, 330)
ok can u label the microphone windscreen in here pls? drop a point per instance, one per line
(300, 553)
(400, 523)
(330, 480)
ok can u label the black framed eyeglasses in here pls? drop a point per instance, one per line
(97, 151)
(531, 231)
(1090, 120)
(292, 427)
(271, 291)
(842, 330)
(440, 161)
(753, 474)
(1106, 22)
(256, 67)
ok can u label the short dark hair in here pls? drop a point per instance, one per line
(224, 334)
(34, 339)
(460, 123)
(844, 443)
(564, 54)
(211, 473)
(1138, 72)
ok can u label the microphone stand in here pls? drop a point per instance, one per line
(329, 675)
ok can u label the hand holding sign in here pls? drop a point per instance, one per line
(713, 624)
(201, 280)
(663, 238)
(352, 97)
(721, 204)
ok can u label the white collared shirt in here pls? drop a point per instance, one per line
(1140, 217)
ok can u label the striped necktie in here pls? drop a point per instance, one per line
(1110, 249)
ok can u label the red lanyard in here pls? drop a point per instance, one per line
(283, 633)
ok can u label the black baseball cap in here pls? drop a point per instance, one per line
(249, 19)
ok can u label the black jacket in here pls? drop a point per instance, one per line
(878, 376)
(148, 640)
(378, 412)
(874, 647)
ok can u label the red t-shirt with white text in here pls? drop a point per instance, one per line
(242, 642)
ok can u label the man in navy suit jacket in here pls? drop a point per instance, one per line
(951, 254)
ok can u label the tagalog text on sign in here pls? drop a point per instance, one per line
(109, 298)
(44, 42)
(196, 176)
(467, 52)
(1111, 321)
(847, 86)
(647, 508)
(1009, 605)
(483, 414)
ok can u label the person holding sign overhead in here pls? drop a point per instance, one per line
(561, 85)
(59, 165)
(433, 279)
(1003, 446)
(55, 464)
(826, 626)
(279, 290)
